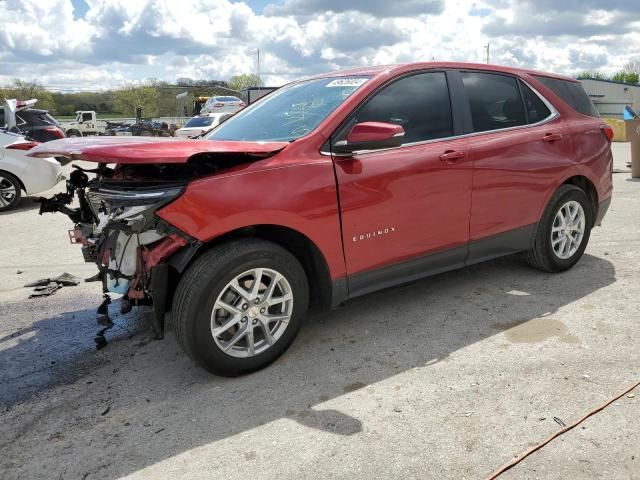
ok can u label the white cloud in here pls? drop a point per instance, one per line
(125, 40)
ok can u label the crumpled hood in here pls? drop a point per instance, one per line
(140, 150)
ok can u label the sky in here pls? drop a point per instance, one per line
(79, 45)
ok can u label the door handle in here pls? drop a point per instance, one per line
(552, 137)
(451, 156)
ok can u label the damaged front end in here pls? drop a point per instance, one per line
(115, 219)
(116, 226)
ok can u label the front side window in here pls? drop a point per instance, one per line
(494, 101)
(419, 103)
(289, 112)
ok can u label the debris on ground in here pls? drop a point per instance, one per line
(48, 286)
(45, 290)
(65, 279)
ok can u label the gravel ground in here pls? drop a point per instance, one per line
(449, 377)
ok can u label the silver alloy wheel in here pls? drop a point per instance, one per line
(252, 312)
(7, 191)
(567, 231)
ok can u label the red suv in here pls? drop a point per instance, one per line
(333, 187)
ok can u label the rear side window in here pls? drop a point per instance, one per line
(420, 103)
(494, 100)
(536, 109)
(572, 93)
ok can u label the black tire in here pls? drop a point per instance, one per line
(73, 133)
(203, 282)
(541, 255)
(7, 180)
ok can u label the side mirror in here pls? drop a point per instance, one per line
(371, 136)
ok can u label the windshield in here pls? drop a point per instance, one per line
(290, 112)
(199, 122)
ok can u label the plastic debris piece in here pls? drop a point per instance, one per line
(559, 422)
(45, 290)
(65, 280)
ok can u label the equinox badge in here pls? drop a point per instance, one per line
(374, 234)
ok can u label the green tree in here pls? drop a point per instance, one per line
(630, 73)
(246, 80)
(626, 77)
(595, 75)
(28, 89)
(128, 97)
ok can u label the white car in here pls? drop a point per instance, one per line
(19, 172)
(202, 123)
(222, 104)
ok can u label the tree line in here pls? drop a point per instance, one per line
(157, 98)
(630, 73)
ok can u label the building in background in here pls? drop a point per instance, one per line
(611, 97)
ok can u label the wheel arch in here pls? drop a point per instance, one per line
(16, 177)
(587, 186)
(299, 245)
(582, 182)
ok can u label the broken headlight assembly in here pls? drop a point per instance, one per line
(129, 208)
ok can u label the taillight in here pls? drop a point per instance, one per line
(57, 132)
(218, 105)
(607, 131)
(22, 145)
(242, 104)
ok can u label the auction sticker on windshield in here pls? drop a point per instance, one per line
(347, 82)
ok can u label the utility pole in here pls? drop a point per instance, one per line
(487, 46)
(259, 66)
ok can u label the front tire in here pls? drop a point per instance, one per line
(10, 191)
(563, 232)
(239, 306)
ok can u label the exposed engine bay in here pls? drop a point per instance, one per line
(116, 225)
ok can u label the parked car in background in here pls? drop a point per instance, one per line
(196, 126)
(337, 186)
(222, 104)
(35, 123)
(123, 131)
(19, 172)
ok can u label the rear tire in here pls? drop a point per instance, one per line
(563, 231)
(10, 191)
(261, 330)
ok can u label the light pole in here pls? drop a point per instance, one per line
(487, 46)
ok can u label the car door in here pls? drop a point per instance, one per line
(405, 210)
(518, 146)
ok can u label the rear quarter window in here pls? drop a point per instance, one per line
(36, 118)
(572, 93)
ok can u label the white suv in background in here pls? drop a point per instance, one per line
(202, 123)
(222, 104)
